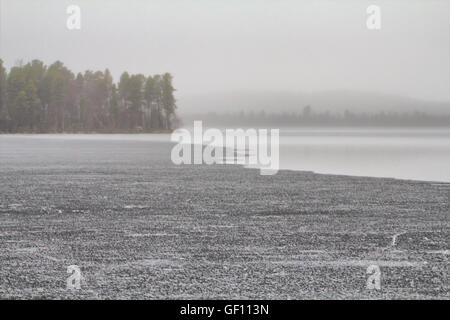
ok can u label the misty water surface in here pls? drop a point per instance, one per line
(418, 154)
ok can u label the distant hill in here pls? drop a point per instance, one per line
(333, 101)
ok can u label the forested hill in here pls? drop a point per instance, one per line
(46, 99)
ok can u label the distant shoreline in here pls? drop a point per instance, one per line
(243, 125)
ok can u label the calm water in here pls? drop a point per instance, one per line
(419, 154)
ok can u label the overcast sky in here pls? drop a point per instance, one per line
(224, 45)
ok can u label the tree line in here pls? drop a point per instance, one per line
(39, 98)
(308, 117)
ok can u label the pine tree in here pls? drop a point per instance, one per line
(168, 99)
(4, 114)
